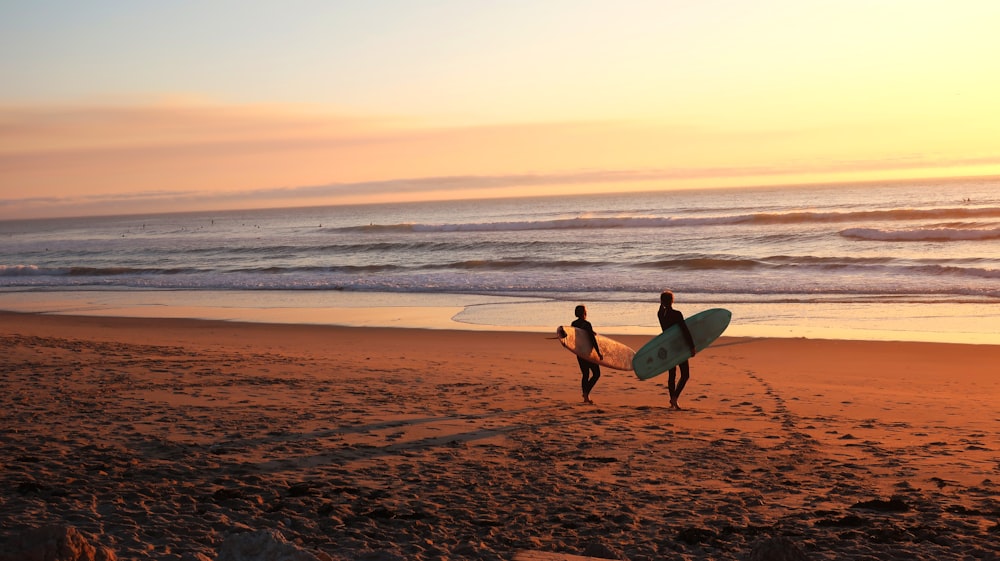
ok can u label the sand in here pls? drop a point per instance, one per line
(161, 439)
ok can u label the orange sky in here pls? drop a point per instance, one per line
(118, 112)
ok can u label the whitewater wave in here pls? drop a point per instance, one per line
(499, 266)
(18, 270)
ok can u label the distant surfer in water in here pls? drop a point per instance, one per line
(587, 367)
(668, 317)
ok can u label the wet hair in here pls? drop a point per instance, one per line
(666, 298)
(580, 311)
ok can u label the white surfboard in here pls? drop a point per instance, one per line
(616, 355)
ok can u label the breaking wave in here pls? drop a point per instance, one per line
(922, 234)
(597, 222)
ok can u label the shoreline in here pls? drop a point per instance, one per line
(171, 438)
(929, 322)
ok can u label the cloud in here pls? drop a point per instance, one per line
(417, 188)
(60, 160)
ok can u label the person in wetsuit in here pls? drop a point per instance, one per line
(586, 367)
(668, 317)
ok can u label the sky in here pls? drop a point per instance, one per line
(111, 107)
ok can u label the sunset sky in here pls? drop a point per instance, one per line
(113, 107)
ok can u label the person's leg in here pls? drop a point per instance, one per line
(585, 373)
(685, 374)
(596, 369)
(671, 386)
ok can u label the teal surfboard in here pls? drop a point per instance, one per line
(669, 348)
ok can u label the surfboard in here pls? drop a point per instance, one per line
(616, 355)
(669, 348)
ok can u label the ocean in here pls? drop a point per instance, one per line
(915, 260)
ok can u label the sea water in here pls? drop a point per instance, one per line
(918, 260)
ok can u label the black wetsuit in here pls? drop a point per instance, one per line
(668, 318)
(586, 367)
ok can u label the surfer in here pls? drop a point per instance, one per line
(586, 367)
(668, 317)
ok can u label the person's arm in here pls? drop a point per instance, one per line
(687, 335)
(593, 340)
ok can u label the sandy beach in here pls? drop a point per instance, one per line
(203, 440)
